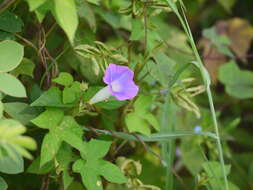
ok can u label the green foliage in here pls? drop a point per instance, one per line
(53, 57)
(91, 167)
(12, 165)
(227, 4)
(64, 13)
(238, 82)
(35, 4)
(50, 98)
(10, 22)
(22, 112)
(35, 167)
(3, 184)
(221, 42)
(64, 79)
(141, 118)
(26, 67)
(162, 69)
(66, 16)
(13, 140)
(11, 55)
(11, 86)
(214, 174)
(61, 128)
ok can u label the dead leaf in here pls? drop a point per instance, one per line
(240, 33)
(211, 56)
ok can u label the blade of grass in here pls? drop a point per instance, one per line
(168, 148)
(206, 79)
(156, 137)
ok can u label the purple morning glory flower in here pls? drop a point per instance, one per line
(120, 80)
(120, 84)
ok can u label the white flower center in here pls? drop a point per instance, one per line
(116, 86)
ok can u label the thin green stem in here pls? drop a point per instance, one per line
(206, 78)
(219, 145)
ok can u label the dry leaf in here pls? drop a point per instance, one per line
(240, 33)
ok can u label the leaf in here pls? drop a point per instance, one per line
(61, 128)
(43, 10)
(212, 65)
(111, 172)
(111, 104)
(11, 55)
(142, 103)
(111, 18)
(11, 132)
(1, 109)
(67, 180)
(64, 157)
(215, 175)
(162, 69)
(214, 169)
(85, 11)
(46, 121)
(68, 96)
(11, 86)
(34, 4)
(10, 165)
(227, 4)
(21, 112)
(89, 177)
(76, 185)
(192, 156)
(72, 94)
(95, 2)
(51, 98)
(240, 33)
(71, 132)
(35, 168)
(151, 119)
(137, 30)
(3, 184)
(66, 16)
(6, 36)
(221, 42)
(92, 167)
(140, 118)
(49, 148)
(26, 67)
(97, 148)
(136, 124)
(238, 82)
(10, 22)
(64, 79)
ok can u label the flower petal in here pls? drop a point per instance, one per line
(124, 91)
(114, 72)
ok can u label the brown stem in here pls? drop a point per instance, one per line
(4, 5)
(45, 182)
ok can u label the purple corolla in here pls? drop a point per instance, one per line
(120, 84)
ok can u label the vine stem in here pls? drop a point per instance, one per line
(5, 4)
